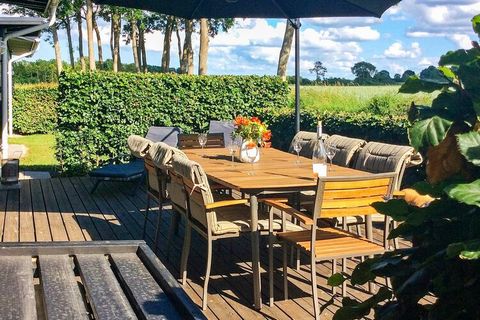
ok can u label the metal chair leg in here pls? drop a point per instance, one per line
(313, 274)
(270, 269)
(207, 274)
(344, 284)
(334, 270)
(185, 253)
(146, 220)
(157, 228)
(285, 271)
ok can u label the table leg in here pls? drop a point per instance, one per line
(257, 300)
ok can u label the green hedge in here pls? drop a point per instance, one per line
(34, 108)
(98, 111)
(367, 126)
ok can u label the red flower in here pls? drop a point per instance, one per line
(241, 121)
(267, 135)
(256, 120)
(251, 145)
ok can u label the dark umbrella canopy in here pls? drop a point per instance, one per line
(195, 9)
(287, 9)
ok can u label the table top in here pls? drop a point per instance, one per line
(275, 171)
(121, 279)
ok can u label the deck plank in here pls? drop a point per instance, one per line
(70, 221)
(11, 234)
(3, 206)
(57, 227)
(17, 295)
(42, 227)
(149, 298)
(27, 227)
(106, 297)
(61, 295)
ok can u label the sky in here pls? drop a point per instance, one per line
(411, 35)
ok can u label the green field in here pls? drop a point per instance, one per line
(40, 155)
(373, 99)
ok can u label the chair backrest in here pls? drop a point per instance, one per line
(307, 140)
(225, 127)
(156, 164)
(379, 157)
(198, 192)
(189, 141)
(168, 135)
(138, 145)
(346, 149)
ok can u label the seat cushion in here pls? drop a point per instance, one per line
(123, 171)
(236, 219)
(332, 243)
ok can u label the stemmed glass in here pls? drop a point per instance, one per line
(331, 151)
(252, 153)
(297, 147)
(232, 149)
(202, 140)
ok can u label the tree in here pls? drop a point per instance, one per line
(285, 51)
(383, 77)
(319, 70)
(167, 39)
(397, 77)
(91, 50)
(78, 17)
(186, 63)
(98, 36)
(210, 28)
(407, 74)
(364, 72)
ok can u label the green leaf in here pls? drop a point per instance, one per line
(336, 279)
(469, 145)
(428, 132)
(470, 255)
(395, 208)
(447, 73)
(459, 57)
(414, 85)
(468, 193)
(469, 250)
(476, 24)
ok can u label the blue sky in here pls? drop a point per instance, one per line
(411, 35)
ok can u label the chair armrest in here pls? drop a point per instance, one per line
(399, 194)
(289, 210)
(225, 203)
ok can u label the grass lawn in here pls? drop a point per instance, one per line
(40, 155)
(373, 99)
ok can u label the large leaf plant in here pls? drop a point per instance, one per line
(439, 276)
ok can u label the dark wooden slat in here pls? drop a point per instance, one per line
(150, 300)
(11, 231)
(27, 229)
(57, 227)
(42, 228)
(104, 292)
(61, 295)
(17, 295)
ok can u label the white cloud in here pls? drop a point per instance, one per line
(397, 50)
(426, 62)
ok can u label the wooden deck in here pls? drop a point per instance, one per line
(62, 209)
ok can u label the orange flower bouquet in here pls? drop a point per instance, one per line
(252, 131)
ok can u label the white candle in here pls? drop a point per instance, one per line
(320, 169)
(319, 129)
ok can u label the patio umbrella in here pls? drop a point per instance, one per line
(287, 9)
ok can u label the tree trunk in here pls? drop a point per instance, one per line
(187, 57)
(112, 32)
(141, 45)
(91, 50)
(117, 27)
(80, 39)
(179, 44)
(285, 51)
(167, 39)
(133, 40)
(99, 40)
(58, 53)
(203, 54)
(68, 28)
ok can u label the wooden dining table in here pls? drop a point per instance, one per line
(276, 172)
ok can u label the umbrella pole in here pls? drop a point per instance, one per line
(296, 25)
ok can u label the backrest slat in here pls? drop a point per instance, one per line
(347, 149)
(214, 140)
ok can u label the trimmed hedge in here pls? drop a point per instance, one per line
(34, 108)
(98, 111)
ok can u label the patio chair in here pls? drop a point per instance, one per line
(213, 220)
(336, 197)
(125, 172)
(188, 141)
(307, 139)
(167, 135)
(346, 147)
(156, 166)
(225, 127)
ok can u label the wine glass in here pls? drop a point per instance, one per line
(202, 140)
(331, 151)
(232, 149)
(252, 154)
(297, 147)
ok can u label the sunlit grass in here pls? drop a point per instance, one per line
(40, 152)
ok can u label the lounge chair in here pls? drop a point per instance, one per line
(225, 127)
(307, 140)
